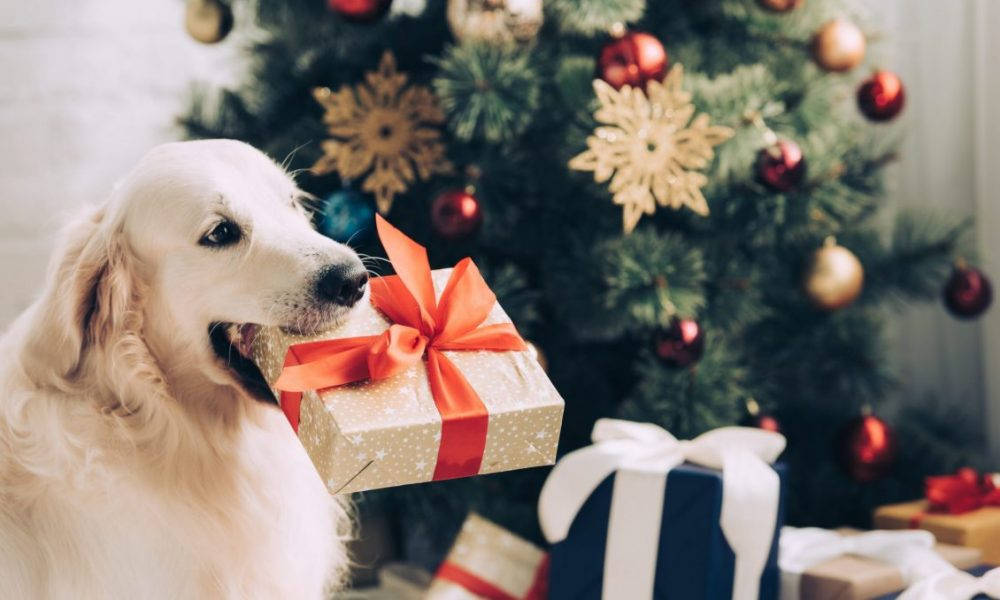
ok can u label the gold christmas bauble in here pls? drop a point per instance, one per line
(208, 21)
(781, 5)
(839, 45)
(495, 21)
(835, 277)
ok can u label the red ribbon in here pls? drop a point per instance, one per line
(962, 492)
(421, 328)
(478, 586)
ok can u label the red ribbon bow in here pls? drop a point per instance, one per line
(962, 492)
(421, 328)
(478, 586)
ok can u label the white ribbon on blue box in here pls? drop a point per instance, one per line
(643, 454)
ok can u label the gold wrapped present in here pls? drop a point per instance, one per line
(978, 528)
(428, 381)
(487, 561)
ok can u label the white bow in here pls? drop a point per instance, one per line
(912, 552)
(642, 454)
(954, 585)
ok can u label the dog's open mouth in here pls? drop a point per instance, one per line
(233, 343)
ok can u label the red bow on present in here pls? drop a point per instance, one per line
(481, 588)
(421, 328)
(962, 492)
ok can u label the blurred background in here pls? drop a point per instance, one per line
(88, 89)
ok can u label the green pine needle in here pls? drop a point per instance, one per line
(651, 277)
(489, 92)
(589, 17)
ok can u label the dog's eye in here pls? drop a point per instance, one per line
(223, 234)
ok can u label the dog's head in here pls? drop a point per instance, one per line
(200, 245)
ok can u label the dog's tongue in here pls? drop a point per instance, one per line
(248, 332)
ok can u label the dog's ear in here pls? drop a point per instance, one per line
(88, 298)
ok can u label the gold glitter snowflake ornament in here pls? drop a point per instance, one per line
(385, 128)
(650, 148)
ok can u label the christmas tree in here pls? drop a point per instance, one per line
(677, 202)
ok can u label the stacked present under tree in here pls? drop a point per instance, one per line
(821, 564)
(487, 561)
(962, 509)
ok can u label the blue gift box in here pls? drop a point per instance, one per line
(694, 561)
(977, 571)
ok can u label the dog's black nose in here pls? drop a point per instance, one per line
(342, 285)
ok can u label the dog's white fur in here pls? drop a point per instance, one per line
(131, 463)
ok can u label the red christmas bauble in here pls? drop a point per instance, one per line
(360, 11)
(456, 214)
(634, 59)
(881, 96)
(755, 417)
(781, 5)
(968, 292)
(781, 166)
(762, 421)
(681, 344)
(866, 448)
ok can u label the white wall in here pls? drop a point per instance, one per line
(87, 87)
(946, 54)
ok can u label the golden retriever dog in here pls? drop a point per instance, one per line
(142, 455)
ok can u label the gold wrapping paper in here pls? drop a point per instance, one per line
(857, 578)
(492, 553)
(977, 529)
(378, 434)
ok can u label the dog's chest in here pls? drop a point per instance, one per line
(268, 531)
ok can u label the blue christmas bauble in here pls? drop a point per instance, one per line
(347, 216)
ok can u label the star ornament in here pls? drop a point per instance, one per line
(384, 128)
(649, 147)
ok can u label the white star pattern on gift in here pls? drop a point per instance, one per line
(494, 554)
(392, 429)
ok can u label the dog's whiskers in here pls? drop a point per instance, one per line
(290, 156)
